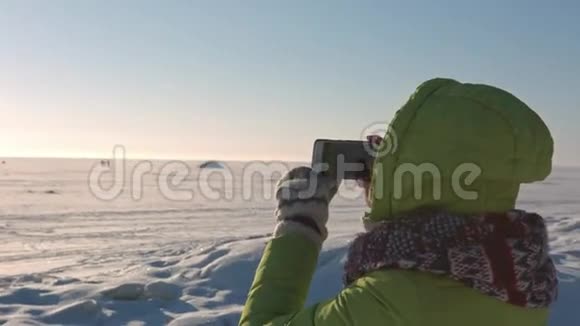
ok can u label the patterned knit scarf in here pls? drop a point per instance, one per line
(501, 255)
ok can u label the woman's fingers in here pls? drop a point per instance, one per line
(375, 141)
(363, 183)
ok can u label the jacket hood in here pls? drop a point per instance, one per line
(465, 148)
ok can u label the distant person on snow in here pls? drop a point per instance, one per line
(447, 251)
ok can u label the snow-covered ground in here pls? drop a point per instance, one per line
(67, 257)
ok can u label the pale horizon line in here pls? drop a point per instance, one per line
(166, 159)
(159, 159)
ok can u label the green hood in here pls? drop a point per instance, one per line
(448, 128)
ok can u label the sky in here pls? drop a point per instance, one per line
(261, 80)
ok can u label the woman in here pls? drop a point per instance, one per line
(444, 243)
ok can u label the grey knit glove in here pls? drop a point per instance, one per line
(303, 197)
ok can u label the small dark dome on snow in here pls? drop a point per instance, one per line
(211, 165)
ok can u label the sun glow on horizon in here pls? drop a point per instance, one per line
(144, 156)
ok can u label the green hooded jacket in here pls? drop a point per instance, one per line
(471, 147)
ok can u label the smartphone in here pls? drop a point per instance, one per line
(343, 159)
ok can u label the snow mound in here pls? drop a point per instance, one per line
(211, 165)
(75, 313)
(128, 291)
(162, 290)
